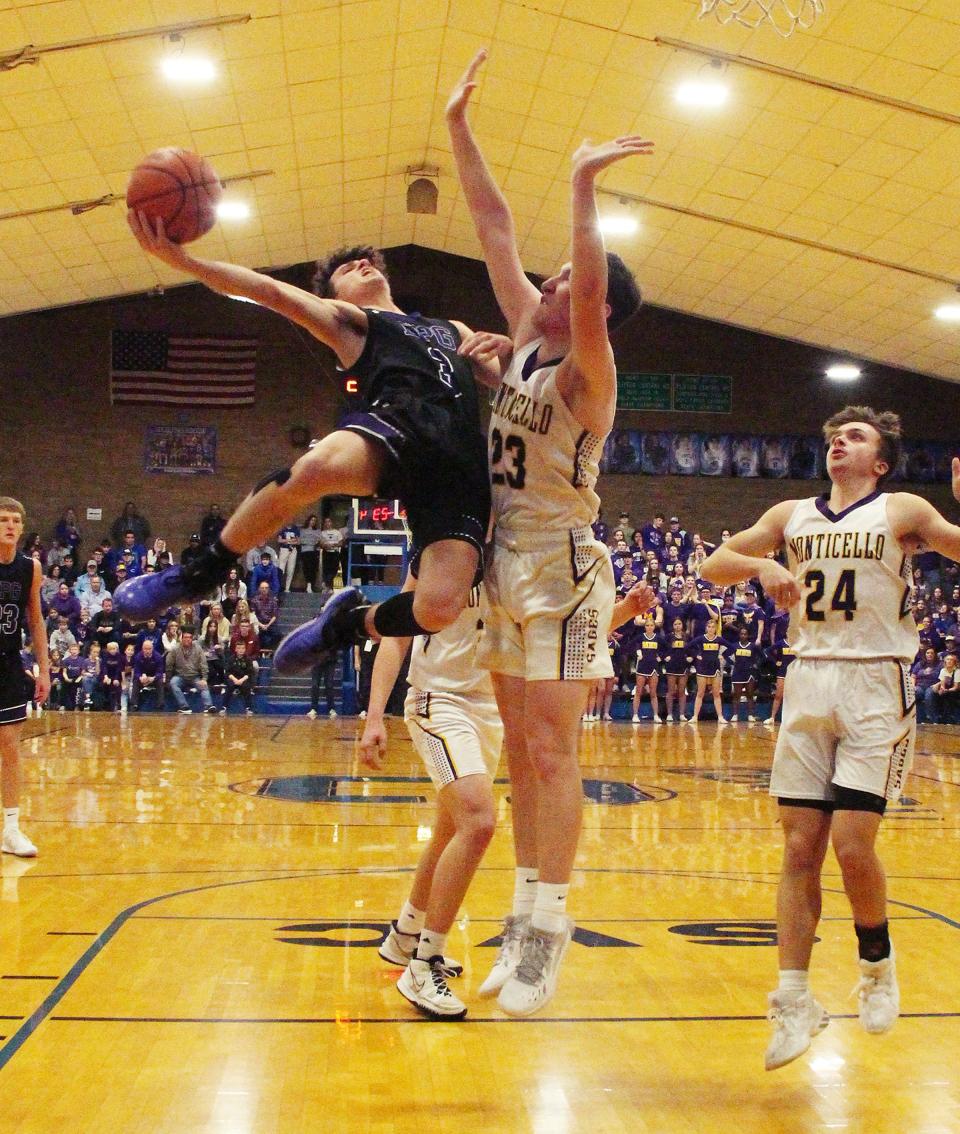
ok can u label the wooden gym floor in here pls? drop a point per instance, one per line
(194, 949)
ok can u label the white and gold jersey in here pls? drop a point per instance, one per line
(855, 581)
(543, 463)
(446, 662)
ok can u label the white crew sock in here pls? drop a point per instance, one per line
(431, 944)
(410, 921)
(550, 908)
(794, 981)
(11, 818)
(524, 890)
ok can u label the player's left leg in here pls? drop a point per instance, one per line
(14, 840)
(447, 570)
(717, 689)
(854, 843)
(552, 714)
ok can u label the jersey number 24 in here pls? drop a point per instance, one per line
(844, 595)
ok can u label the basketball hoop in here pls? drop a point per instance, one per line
(784, 16)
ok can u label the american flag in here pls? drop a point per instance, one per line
(152, 366)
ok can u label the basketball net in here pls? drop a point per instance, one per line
(784, 16)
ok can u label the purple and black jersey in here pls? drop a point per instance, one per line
(707, 655)
(648, 655)
(783, 656)
(16, 581)
(675, 654)
(746, 659)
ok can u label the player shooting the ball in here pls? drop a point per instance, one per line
(415, 436)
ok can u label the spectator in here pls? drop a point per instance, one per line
(600, 529)
(244, 610)
(127, 687)
(214, 652)
(233, 580)
(170, 638)
(69, 570)
(66, 603)
(148, 673)
(192, 550)
(106, 625)
(91, 676)
(56, 554)
(154, 552)
(85, 581)
(940, 699)
(130, 520)
(229, 603)
(68, 533)
(265, 570)
(150, 630)
(680, 538)
(129, 547)
(216, 618)
(62, 638)
(652, 534)
(186, 669)
(83, 631)
(31, 672)
(211, 525)
(623, 523)
(71, 675)
(751, 614)
(240, 678)
(128, 634)
(310, 538)
(254, 555)
(50, 585)
(323, 673)
(111, 675)
(245, 632)
(94, 598)
(332, 542)
(266, 606)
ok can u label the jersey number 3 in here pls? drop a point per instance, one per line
(844, 595)
(514, 472)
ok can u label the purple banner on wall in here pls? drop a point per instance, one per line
(715, 454)
(181, 450)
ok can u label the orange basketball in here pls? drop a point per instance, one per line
(178, 187)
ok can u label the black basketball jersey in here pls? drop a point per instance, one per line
(409, 360)
(16, 580)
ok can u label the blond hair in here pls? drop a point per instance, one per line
(8, 504)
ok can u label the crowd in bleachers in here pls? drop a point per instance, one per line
(699, 646)
(731, 646)
(100, 661)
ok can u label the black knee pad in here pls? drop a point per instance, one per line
(280, 477)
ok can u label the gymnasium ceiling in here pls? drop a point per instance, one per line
(338, 99)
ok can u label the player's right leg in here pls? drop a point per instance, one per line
(343, 463)
(511, 693)
(14, 841)
(469, 806)
(552, 713)
(792, 1010)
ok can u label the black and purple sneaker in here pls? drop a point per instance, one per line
(148, 596)
(334, 628)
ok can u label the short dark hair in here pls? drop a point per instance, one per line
(327, 266)
(887, 424)
(623, 292)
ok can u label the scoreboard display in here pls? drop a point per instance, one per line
(373, 516)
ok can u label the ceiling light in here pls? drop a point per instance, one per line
(707, 93)
(188, 69)
(843, 372)
(233, 210)
(618, 225)
(949, 312)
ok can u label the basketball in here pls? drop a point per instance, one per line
(178, 187)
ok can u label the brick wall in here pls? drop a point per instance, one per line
(61, 442)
